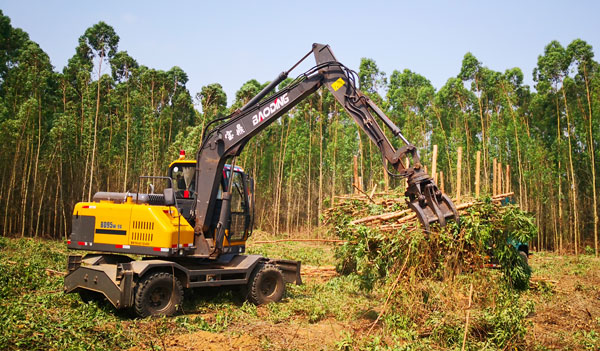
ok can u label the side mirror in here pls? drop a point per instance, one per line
(169, 194)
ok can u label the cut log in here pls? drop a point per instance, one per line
(381, 217)
(299, 240)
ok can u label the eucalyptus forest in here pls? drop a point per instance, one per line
(105, 119)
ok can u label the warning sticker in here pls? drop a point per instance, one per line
(338, 84)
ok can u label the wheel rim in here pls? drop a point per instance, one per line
(159, 297)
(269, 286)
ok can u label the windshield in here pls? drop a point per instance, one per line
(183, 180)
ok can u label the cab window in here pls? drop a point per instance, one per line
(184, 181)
(237, 194)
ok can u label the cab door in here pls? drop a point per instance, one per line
(240, 215)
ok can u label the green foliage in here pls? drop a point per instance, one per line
(504, 324)
(498, 230)
(487, 229)
(588, 340)
(370, 78)
(305, 253)
(370, 253)
(320, 301)
(35, 314)
(213, 100)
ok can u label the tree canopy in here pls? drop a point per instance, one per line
(107, 119)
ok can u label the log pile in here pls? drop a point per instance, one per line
(392, 210)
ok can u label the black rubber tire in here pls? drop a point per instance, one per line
(524, 256)
(266, 284)
(158, 294)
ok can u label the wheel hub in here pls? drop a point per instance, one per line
(158, 297)
(269, 286)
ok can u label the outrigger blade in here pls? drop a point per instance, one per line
(428, 202)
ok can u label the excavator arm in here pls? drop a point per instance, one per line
(228, 140)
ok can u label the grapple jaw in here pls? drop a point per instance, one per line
(428, 202)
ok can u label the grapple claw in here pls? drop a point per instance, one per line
(428, 202)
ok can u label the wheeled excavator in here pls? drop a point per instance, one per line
(194, 233)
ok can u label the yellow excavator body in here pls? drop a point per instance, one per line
(123, 226)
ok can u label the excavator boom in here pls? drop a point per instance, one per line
(228, 140)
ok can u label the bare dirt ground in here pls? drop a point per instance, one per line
(296, 333)
(566, 291)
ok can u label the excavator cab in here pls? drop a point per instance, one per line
(184, 184)
(242, 209)
(240, 223)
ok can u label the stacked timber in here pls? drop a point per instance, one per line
(391, 211)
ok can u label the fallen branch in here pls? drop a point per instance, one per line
(392, 215)
(299, 240)
(48, 270)
(319, 271)
(373, 191)
(458, 207)
(52, 271)
(382, 217)
(468, 315)
(367, 195)
(389, 295)
(541, 279)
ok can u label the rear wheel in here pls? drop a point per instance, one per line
(158, 294)
(266, 284)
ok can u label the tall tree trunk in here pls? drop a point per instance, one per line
(288, 217)
(127, 121)
(320, 204)
(558, 156)
(280, 176)
(25, 187)
(95, 126)
(592, 159)
(447, 148)
(483, 139)
(309, 186)
(335, 137)
(37, 159)
(573, 179)
(520, 167)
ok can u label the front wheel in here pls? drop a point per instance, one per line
(266, 284)
(158, 294)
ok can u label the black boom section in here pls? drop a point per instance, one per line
(229, 139)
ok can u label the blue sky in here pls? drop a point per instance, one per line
(230, 42)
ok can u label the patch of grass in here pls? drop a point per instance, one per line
(588, 340)
(307, 253)
(318, 301)
(425, 311)
(35, 314)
